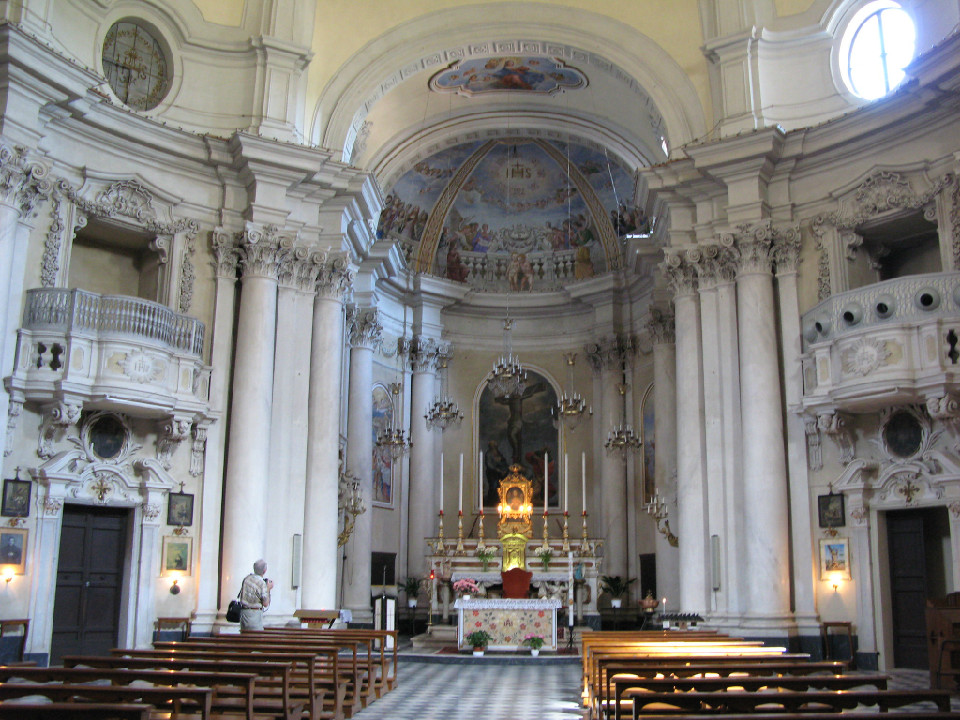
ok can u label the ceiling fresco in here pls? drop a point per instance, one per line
(515, 214)
(476, 76)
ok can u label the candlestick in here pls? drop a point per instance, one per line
(546, 476)
(460, 498)
(481, 545)
(566, 478)
(459, 549)
(584, 542)
(566, 531)
(546, 532)
(441, 548)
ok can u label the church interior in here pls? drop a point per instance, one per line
(632, 316)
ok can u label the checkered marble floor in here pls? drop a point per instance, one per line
(490, 691)
(487, 691)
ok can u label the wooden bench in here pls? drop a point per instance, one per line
(625, 687)
(197, 701)
(75, 711)
(273, 681)
(913, 715)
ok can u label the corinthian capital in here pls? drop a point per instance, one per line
(334, 277)
(22, 183)
(786, 249)
(225, 252)
(754, 243)
(680, 271)
(300, 269)
(262, 251)
(365, 328)
(661, 327)
(422, 354)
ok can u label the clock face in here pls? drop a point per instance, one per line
(135, 66)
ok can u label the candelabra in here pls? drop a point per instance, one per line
(444, 411)
(657, 509)
(571, 407)
(622, 438)
(392, 438)
(508, 378)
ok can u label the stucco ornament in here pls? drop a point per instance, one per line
(864, 356)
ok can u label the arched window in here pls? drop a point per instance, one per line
(878, 43)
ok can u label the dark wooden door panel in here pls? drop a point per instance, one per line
(86, 611)
(908, 588)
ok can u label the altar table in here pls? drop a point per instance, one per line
(508, 621)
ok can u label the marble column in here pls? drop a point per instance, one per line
(365, 334)
(424, 491)
(320, 511)
(288, 428)
(221, 355)
(691, 482)
(661, 330)
(766, 545)
(23, 184)
(246, 497)
(786, 253)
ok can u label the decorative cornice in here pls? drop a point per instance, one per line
(364, 327)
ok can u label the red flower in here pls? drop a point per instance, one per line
(476, 612)
(478, 624)
(540, 614)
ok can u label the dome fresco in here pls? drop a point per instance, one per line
(514, 214)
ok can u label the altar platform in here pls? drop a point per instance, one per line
(508, 621)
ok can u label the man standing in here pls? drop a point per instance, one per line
(255, 597)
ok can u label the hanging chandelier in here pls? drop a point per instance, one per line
(443, 412)
(570, 407)
(508, 377)
(622, 438)
(393, 438)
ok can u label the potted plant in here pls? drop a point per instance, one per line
(534, 642)
(464, 587)
(544, 554)
(485, 555)
(478, 639)
(411, 586)
(616, 587)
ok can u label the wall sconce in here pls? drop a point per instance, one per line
(8, 574)
(174, 588)
(836, 579)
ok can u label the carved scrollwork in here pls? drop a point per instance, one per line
(335, 277)
(859, 515)
(814, 450)
(661, 326)
(364, 327)
(680, 273)
(151, 511)
(50, 507)
(23, 183)
(13, 413)
(172, 432)
(835, 426)
(198, 451)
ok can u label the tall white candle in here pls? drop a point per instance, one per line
(460, 502)
(583, 478)
(441, 482)
(566, 485)
(546, 475)
(483, 490)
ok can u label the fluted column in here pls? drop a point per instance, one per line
(288, 443)
(424, 493)
(786, 253)
(22, 185)
(221, 355)
(661, 330)
(365, 334)
(320, 510)
(691, 482)
(246, 496)
(766, 546)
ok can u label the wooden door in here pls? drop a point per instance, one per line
(86, 607)
(908, 588)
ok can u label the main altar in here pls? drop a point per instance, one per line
(565, 571)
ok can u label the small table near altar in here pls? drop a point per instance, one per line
(508, 621)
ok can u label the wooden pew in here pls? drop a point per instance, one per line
(195, 701)
(626, 686)
(75, 711)
(273, 680)
(223, 684)
(913, 715)
(307, 689)
(319, 665)
(746, 703)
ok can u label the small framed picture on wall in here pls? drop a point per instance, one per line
(834, 558)
(13, 549)
(16, 498)
(177, 553)
(830, 509)
(180, 509)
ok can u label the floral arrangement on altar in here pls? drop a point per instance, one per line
(466, 586)
(534, 641)
(545, 555)
(485, 555)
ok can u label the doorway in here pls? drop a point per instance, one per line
(918, 570)
(87, 600)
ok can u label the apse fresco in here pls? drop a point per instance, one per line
(514, 214)
(507, 74)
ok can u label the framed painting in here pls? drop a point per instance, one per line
(16, 498)
(13, 549)
(180, 509)
(834, 558)
(383, 413)
(177, 554)
(830, 510)
(519, 430)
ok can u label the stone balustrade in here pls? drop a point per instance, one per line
(889, 343)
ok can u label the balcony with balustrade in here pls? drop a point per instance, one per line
(109, 352)
(889, 343)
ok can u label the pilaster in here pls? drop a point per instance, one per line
(423, 483)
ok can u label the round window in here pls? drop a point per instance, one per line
(135, 65)
(107, 435)
(879, 42)
(903, 434)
